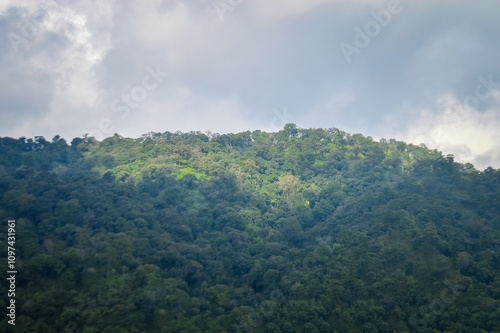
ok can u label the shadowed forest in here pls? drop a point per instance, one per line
(303, 230)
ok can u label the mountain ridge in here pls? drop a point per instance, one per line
(302, 230)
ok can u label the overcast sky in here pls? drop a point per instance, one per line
(421, 71)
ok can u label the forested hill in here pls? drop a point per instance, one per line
(304, 230)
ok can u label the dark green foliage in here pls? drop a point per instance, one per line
(304, 230)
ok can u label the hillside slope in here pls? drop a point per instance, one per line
(304, 230)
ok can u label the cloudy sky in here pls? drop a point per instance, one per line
(422, 71)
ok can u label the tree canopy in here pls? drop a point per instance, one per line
(303, 230)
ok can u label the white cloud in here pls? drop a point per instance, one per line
(470, 135)
(5, 5)
(65, 50)
(76, 83)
